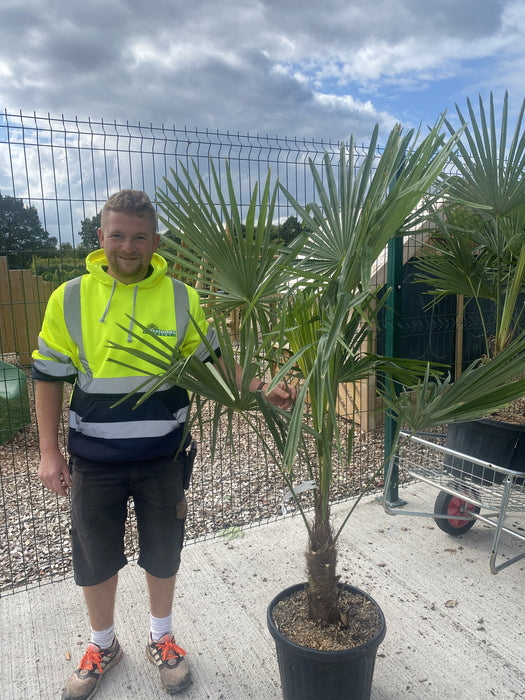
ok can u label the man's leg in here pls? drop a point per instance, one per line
(161, 592)
(100, 601)
(103, 652)
(161, 509)
(174, 672)
(98, 513)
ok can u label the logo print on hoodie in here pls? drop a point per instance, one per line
(152, 328)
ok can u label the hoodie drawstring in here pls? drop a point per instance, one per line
(106, 310)
(132, 321)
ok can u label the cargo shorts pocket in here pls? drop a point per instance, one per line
(181, 508)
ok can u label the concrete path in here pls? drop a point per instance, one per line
(454, 629)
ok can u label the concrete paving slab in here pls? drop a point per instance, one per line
(453, 628)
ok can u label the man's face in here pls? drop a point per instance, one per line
(129, 244)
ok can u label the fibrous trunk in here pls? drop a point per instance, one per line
(321, 561)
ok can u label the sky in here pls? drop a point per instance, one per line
(315, 69)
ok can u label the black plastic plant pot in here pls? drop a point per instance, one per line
(309, 674)
(502, 444)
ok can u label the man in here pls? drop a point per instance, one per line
(116, 452)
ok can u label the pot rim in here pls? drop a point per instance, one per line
(495, 422)
(340, 653)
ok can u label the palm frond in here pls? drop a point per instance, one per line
(235, 263)
(483, 388)
(491, 173)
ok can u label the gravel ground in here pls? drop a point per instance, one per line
(234, 489)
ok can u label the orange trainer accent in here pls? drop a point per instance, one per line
(169, 649)
(91, 658)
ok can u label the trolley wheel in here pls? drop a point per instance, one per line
(446, 504)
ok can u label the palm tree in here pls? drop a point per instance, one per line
(478, 248)
(306, 310)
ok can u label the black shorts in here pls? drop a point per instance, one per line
(99, 498)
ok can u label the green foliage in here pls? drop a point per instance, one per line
(288, 230)
(478, 247)
(60, 267)
(236, 262)
(89, 234)
(21, 233)
(484, 387)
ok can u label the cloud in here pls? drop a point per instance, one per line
(258, 66)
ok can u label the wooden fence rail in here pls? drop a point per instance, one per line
(23, 298)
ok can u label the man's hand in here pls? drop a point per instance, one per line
(282, 396)
(53, 472)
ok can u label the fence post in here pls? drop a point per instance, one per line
(393, 349)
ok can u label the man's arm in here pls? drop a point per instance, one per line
(282, 395)
(53, 471)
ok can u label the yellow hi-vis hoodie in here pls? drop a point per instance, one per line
(81, 316)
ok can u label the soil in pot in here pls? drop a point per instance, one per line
(360, 622)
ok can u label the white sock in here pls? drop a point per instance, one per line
(159, 626)
(104, 638)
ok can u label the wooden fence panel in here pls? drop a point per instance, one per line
(7, 329)
(23, 298)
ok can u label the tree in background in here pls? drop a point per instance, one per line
(89, 234)
(290, 229)
(287, 231)
(21, 233)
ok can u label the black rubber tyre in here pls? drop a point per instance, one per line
(452, 505)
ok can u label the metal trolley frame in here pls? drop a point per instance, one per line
(466, 484)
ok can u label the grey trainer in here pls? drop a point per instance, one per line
(83, 683)
(170, 659)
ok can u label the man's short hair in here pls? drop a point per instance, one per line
(134, 202)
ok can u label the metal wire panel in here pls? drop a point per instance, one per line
(66, 169)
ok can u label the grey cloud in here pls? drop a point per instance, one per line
(237, 71)
(345, 24)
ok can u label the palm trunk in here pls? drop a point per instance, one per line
(321, 561)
